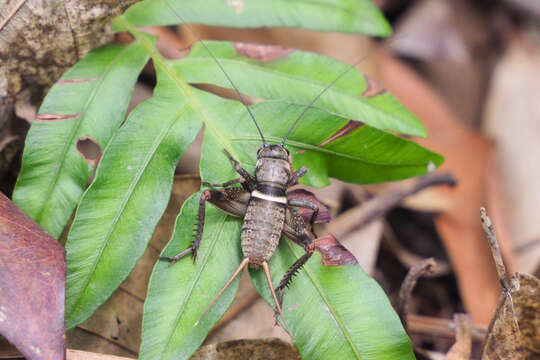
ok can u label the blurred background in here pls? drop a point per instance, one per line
(470, 70)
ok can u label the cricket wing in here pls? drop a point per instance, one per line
(301, 194)
(296, 229)
(333, 253)
(234, 201)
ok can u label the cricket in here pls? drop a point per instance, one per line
(266, 206)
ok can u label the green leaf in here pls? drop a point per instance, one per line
(89, 100)
(118, 212)
(335, 312)
(347, 16)
(170, 328)
(298, 77)
(179, 294)
(363, 155)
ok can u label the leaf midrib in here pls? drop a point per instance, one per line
(106, 239)
(320, 149)
(336, 91)
(194, 281)
(181, 84)
(76, 128)
(381, 24)
(329, 305)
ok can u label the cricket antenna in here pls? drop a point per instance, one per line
(242, 100)
(320, 94)
(329, 86)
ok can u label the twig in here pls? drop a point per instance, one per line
(461, 350)
(495, 250)
(362, 215)
(85, 355)
(406, 257)
(426, 325)
(408, 285)
(11, 13)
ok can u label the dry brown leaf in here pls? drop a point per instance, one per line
(461, 350)
(32, 285)
(514, 331)
(85, 355)
(364, 245)
(253, 349)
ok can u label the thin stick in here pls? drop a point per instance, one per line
(373, 209)
(269, 279)
(495, 250)
(416, 272)
(238, 270)
(12, 13)
(439, 327)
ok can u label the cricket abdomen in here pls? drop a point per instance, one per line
(262, 228)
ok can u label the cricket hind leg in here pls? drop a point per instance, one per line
(287, 278)
(246, 185)
(194, 248)
(225, 184)
(309, 205)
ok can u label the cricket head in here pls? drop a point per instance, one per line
(273, 165)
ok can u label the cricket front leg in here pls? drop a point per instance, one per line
(249, 182)
(225, 184)
(296, 176)
(232, 200)
(194, 248)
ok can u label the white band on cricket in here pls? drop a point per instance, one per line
(260, 195)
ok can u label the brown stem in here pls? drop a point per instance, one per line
(373, 209)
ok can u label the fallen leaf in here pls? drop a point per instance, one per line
(514, 331)
(461, 350)
(32, 283)
(253, 349)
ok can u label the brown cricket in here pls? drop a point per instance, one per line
(268, 209)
